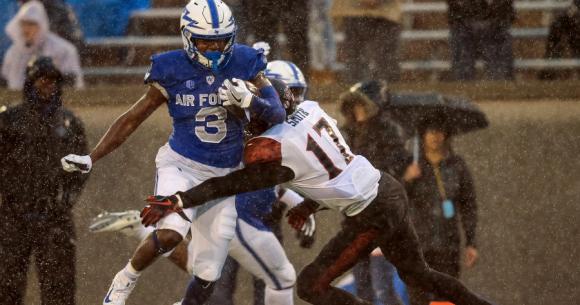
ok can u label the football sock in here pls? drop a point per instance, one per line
(198, 291)
(131, 272)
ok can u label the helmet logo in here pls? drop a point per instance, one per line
(210, 79)
(188, 19)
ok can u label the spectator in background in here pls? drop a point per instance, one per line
(440, 197)
(371, 132)
(37, 196)
(480, 28)
(372, 31)
(267, 17)
(63, 21)
(31, 38)
(321, 35)
(564, 29)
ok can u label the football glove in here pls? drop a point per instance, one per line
(75, 163)
(298, 215)
(159, 206)
(235, 92)
(306, 234)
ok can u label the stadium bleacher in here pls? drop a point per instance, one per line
(424, 47)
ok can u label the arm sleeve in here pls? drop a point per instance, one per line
(268, 107)
(466, 202)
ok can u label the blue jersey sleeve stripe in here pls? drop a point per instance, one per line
(215, 22)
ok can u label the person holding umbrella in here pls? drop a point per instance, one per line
(369, 130)
(443, 195)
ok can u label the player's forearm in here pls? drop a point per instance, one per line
(117, 134)
(249, 179)
(268, 107)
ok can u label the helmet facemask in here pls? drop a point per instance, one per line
(214, 59)
(299, 93)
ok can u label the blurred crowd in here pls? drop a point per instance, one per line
(302, 31)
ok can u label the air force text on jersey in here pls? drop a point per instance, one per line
(202, 100)
(202, 129)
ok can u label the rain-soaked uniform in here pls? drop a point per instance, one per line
(37, 197)
(309, 155)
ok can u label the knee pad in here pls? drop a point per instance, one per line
(286, 276)
(207, 273)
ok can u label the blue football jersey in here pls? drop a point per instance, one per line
(203, 130)
(254, 207)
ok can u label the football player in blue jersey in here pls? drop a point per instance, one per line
(207, 140)
(254, 246)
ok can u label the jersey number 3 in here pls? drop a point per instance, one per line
(321, 155)
(213, 131)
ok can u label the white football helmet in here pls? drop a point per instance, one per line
(290, 74)
(210, 20)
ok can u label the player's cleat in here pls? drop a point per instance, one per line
(120, 289)
(128, 222)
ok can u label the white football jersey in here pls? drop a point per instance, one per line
(325, 169)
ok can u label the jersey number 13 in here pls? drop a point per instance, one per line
(321, 155)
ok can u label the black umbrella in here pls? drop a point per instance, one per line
(455, 114)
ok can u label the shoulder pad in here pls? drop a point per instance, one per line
(262, 150)
(169, 67)
(254, 59)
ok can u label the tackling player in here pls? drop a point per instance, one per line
(307, 153)
(207, 140)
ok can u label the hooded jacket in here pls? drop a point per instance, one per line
(379, 138)
(35, 135)
(63, 53)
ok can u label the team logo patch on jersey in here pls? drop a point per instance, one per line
(190, 84)
(210, 79)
